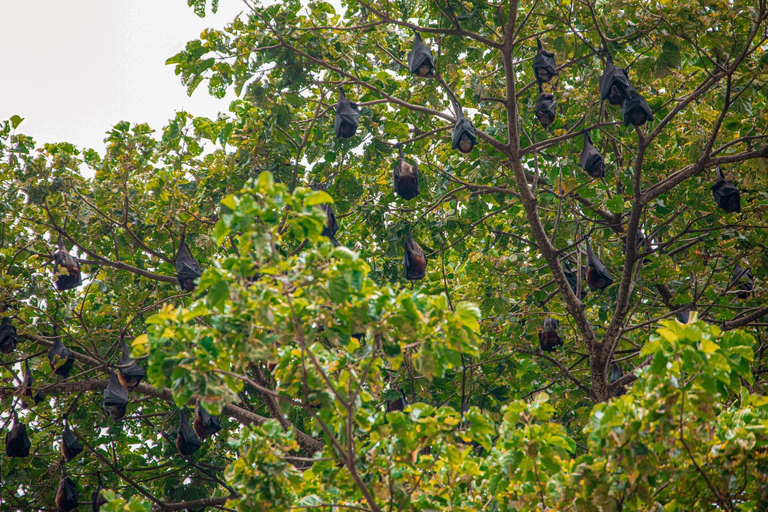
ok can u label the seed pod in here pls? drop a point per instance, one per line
(464, 134)
(187, 268)
(614, 84)
(549, 339)
(636, 110)
(205, 424)
(726, 193)
(187, 441)
(591, 160)
(414, 260)
(8, 337)
(544, 65)
(130, 374)
(420, 61)
(598, 277)
(347, 117)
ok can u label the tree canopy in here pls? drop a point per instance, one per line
(437, 255)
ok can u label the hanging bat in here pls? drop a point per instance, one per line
(591, 160)
(331, 224)
(546, 108)
(743, 280)
(635, 110)
(17, 443)
(464, 135)
(67, 269)
(614, 84)
(616, 374)
(573, 280)
(684, 314)
(66, 493)
(130, 374)
(726, 194)
(347, 117)
(39, 397)
(544, 66)
(28, 382)
(406, 178)
(115, 398)
(205, 424)
(414, 260)
(187, 269)
(549, 339)
(187, 441)
(398, 404)
(60, 358)
(420, 61)
(598, 277)
(70, 446)
(8, 336)
(97, 500)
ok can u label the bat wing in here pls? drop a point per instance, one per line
(597, 264)
(419, 56)
(633, 103)
(463, 127)
(346, 112)
(115, 394)
(546, 103)
(614, 76)
(545, 60)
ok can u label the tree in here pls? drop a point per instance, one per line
(338, 384)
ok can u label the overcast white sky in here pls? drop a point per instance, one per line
(75, 68)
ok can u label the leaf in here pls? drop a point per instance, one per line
(16, 121)
(317, 197)
(218, 292)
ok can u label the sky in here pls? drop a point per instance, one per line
(73, 69)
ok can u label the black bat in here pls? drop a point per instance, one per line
(549, 339)
(544, 66)
(130, 374)
(398, 404)
(60, 358)
(17, 443)
(187, 269)
(115, 398)
(67, 269)
(591, 160)
(573, 280)
(8, 337)
(414, 260)
(616, 374)
(28, 382)
(406, 178)
(331, 226)
(598, 277)
(420, 61)
(684, 313)
(743, 280)
(205, 424)
(66, 493)
(97, 500)
(726, 193)
(546, 108)
(70, 446)
(464, 135)
(187, 441)
(347, 117)
(614, 84)
(635, 110)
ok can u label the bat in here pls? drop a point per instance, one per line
(464, 135)
(598, 277)
(420, 61)
(130, 374)
(187, 269)
(398, 404)
(414, 260)
(616, 374)
(70, 446)
(187, 441)
(17, 443)
(67, 269)
(115, 398)
(544, 66)
(97, 500)
(726, 193)
(58, 353)
(572, 279)
(546, 108)
(549, 339)
(8, 337)
(743, 280)
(331, 226)
(635, 110)
(347, 117)
(205, 424)
(684, 314)
(28, 382)
(406, 178)
(614, 84)
(591, 160)
(66, 493)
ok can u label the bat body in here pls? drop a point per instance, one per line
(97, 500)
(406, 178)
(616, 374)
(546, 109)
(614, 84)
(205, 424)
(70, 446)
(544, 65)
(67, 269)
(414, 260)
(28, 382)
(398, 404)
(573, 280)
(66, 493)
(684, 314)
(17, 443)
(187, 441)
(636, 110)
(8, 336)
(591, 160)
(420, 61)
(742, 280)
(347, 117)
(115, 398)
(549, 339)
(598, 277)
(187, 268)
(130, 374)
(60, 358)
(464, 134)
(726, 194)
(331, 224)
